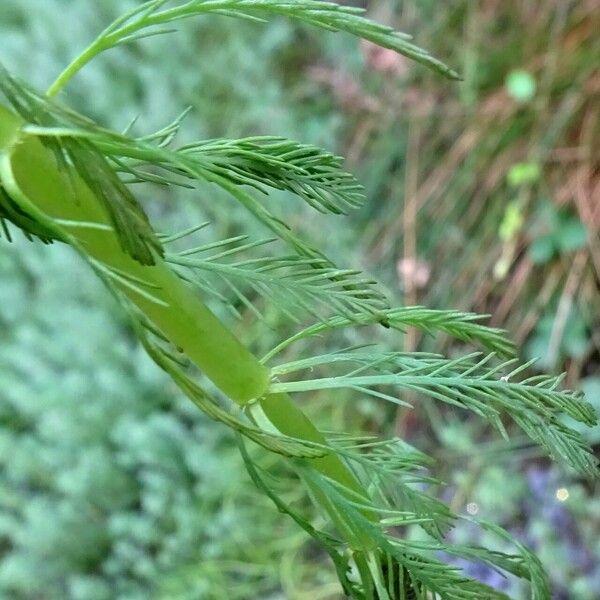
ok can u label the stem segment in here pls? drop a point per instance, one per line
(30, 175)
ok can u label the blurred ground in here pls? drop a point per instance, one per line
(483, 195)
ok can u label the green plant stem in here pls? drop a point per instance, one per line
(73, 68)
(29, 173)
(168, 302)
(110, 38)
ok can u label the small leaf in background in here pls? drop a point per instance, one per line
(511, 225)
(541, 250)
(524, 173)
(512, 221)
(555, 232)
(548, 216)
(538, 344)
(501, 505)
(571, 235)
(521, 85)
(575, 339)
(574, 342)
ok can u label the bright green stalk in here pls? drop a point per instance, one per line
(30, 174)
(30, 170)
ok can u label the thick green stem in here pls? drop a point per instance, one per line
(279, 413)
(29, 173)
(169, 303)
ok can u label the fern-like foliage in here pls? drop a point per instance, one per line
(468, 382)
(154, 18)
(372, 489)
(307, 171)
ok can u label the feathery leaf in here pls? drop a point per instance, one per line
(462, 326)
(535, 404)
(295, 284)
(149, 19)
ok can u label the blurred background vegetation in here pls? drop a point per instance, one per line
(482, 196)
